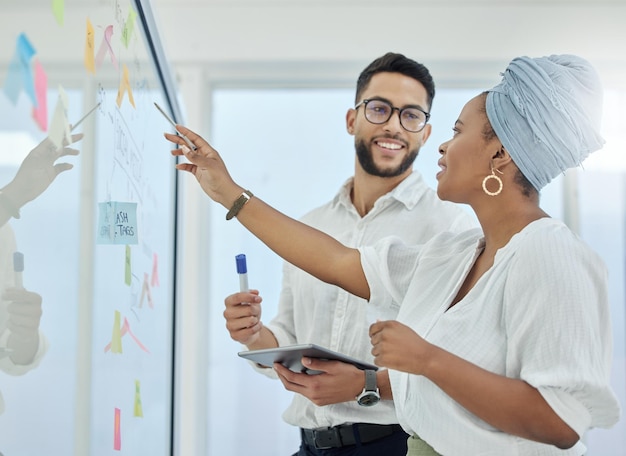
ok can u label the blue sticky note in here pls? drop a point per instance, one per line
(25, 48)
(13, 82)
(26, 52)
(117, 223)
(21, 71)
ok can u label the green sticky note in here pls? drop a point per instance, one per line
(127, 268)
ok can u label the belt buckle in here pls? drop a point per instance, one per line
(327, 438)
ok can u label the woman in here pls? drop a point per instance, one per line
(502, 343)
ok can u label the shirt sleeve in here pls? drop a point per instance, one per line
(282, 325)
(558, 326)
(8, 366)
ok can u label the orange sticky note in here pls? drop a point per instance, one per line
(117, 431)
(90, 48)
(40, 112)
(125, 87)
(126, 330)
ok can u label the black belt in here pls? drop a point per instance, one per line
(347, 434)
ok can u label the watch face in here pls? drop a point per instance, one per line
(368, 399)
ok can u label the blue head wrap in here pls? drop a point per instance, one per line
(547, 112)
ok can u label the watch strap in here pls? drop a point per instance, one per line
(370, 380)
(239, 203)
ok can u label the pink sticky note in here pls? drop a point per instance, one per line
(117, 432)
(40, 112)
(106, 46)
(154, 280)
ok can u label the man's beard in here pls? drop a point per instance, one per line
(364, 154)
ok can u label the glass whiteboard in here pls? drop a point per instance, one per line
(98, 243)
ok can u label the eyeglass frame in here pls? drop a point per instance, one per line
(365, 101)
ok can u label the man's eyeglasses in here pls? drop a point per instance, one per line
(378, 112)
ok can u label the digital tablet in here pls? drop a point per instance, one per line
(291, 357)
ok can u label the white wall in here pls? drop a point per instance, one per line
(202, 32)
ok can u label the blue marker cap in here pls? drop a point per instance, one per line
(241, 264)
(18, 262)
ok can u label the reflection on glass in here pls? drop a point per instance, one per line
(22, 345)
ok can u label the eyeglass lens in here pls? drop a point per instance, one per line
(379, 112)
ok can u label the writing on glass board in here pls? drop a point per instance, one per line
(117, 223)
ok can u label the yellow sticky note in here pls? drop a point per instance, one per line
(90, 60)
(59, 131)
(116, 337)
(138, 409)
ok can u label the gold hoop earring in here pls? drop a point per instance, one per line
(498, 180)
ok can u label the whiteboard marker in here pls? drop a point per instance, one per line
(85, 116)
(169, 119)
(242, 270)
(18, 268)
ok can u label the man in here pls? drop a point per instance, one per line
(384, 197)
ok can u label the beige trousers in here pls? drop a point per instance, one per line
(417, 447)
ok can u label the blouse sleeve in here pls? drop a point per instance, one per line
(558, 326)
(389, 266)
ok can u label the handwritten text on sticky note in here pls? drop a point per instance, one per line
(117, 223)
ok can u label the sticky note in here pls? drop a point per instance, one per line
(154, 280)
(40, 112)
(90, 48)
(106, 47)
(127, 268)
(138, 410)
(125, 88)
(20, 75)
(13, 82)
(58, 10)
(129, 27)
(117, 223)
(145, 292)
(117, 430)
(116, 336)
(59, 132)
(26, 51)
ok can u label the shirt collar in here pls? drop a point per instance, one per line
(407, 192)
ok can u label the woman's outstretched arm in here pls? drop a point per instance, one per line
(307, 248)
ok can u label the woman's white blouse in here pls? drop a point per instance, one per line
(540, 314)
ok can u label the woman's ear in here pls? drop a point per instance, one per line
(501, 158)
